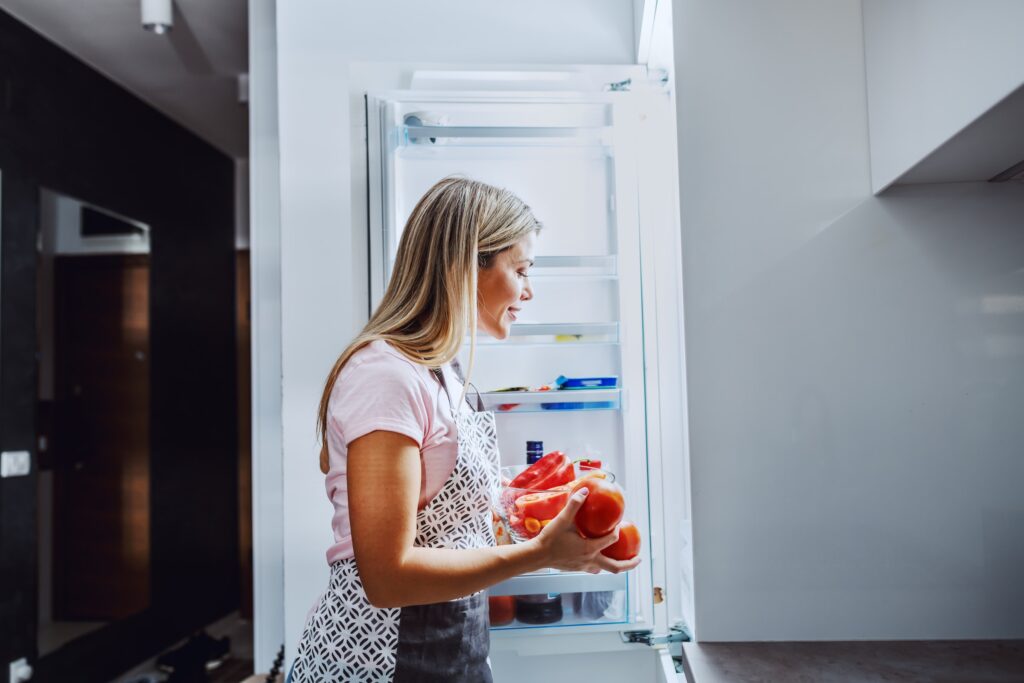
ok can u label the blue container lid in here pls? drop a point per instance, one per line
(564, 382)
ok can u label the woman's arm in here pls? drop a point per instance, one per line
(383, 494)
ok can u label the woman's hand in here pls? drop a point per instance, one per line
(562, 546)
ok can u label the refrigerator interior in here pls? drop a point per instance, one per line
(573, 163)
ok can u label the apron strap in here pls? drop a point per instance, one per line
(457, 369)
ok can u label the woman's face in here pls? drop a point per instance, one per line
(502, 286)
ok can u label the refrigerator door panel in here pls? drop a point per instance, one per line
(635, 461)
(570, 157)
(667, 414)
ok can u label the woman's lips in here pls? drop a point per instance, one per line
(512, 313)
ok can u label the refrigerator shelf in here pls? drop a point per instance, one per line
(505, 402)
(567, 333)
(422, 134)
(553, 581)
(569, 620)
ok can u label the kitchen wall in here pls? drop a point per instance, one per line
(323, 281)
(855, 369)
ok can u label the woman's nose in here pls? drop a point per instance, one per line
(527, 291)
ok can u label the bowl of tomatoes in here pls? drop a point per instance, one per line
(532, 495)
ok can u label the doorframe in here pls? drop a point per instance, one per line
(266, 347)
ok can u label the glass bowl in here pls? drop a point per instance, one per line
(521, 513)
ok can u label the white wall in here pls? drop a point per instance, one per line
(265, 289)
(323, 252)
(855, 369)
(933, 66)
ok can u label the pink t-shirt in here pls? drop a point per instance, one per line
(380, 389)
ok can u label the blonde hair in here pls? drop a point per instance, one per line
(457, 227)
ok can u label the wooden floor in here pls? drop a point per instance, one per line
(990, 661)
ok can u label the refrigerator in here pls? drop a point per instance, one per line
(598, 170)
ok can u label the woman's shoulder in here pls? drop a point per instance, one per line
(379, 361)
(380, 389)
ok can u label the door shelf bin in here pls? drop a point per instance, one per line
(503, 402)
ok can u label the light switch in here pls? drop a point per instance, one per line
(19, 671)
(15, 463)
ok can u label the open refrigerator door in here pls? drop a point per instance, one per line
(575, 373)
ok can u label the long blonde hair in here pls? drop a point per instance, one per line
(457, 227)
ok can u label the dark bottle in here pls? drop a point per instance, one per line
(542, 608)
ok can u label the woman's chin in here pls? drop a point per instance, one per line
(499, 332)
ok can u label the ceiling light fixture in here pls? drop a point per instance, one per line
(158, 16)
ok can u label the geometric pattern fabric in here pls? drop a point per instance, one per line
(347, 639)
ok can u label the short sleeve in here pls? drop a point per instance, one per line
(379, 391)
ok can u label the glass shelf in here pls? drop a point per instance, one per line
(553, 581)
(575, 266)
(570, 619)
(552, 401)
(548, 333)
(416, 132)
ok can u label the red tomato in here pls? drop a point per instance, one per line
(544, 505)
(587, 464)
(601, 510)
(554, 469)
(628, 545)
(587, 474)
(502, 609)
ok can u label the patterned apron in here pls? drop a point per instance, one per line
(348, 639)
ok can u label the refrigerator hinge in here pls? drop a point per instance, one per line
(677, 633)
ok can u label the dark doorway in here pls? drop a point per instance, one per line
(101, 440)
(94, 391)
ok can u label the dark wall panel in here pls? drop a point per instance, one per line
(18, 549)
(65, 127)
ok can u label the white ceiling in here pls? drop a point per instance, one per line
(189, 74)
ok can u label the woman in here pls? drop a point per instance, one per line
(410, 465)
